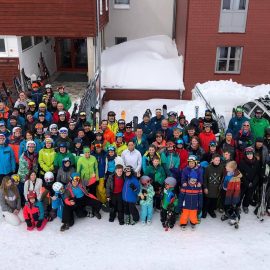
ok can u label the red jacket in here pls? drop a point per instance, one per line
(56, 117)
(205, 139)
(128, 136)
(14, 143)
(183, 155)
(109, 136)
(34, 212)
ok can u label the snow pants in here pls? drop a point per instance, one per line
(146, 212)
(209, 204)
(165, 218)
(101, 191)
(79, 209)
(13, 219)
(188, 215)
(130, 209)
(116, 206)
(246, 195)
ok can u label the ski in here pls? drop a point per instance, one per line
(123, 115)
(74, 111)
(135, 122)
(149, 112)
(164, 109)
(197, 112)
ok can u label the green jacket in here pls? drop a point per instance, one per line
(86, 167)
(59, 158)
(64, 99)
(258, 126)
(46, 159)
(169, 196)
(119, 150)
(170, 161)
(157, 174)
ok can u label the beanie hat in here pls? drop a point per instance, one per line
(86, 150)
(229, 131)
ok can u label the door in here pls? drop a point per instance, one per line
(71, 54)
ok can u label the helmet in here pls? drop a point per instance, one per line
(75, 177)
(249, 150)
(38, 126)
(121, 121)
(111, 113)
(63, 130)
(170, 181)
(61, 113)
(49, 177)
(179, 141)
(77, 140)
(53, 126)
(239, 109)
(145, 180)
(170, 144)
(63, 144)
(58, 187)
(15, 178)
(192, 158)
(111, 148)
(31, 103)
(30, 143)
(48, 86)
(21, 106)
(129, 168)
(42, 105)
(31, 194)
(119, 134)
(15, 128)
(48, 140)
(171, 113)
(212, 143)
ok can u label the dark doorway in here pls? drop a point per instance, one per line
(71, 54)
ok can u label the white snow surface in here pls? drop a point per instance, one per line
(146, 63)
(98, 244)
(222, 95)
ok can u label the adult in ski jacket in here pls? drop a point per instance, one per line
(258, 124)
(63, 98)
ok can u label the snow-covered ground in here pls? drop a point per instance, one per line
(146, 63)
(98, 244)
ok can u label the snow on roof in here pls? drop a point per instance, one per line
(146, 63)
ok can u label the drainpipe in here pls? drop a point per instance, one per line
(98, 47)
(174, 19)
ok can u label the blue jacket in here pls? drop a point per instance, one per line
(8, 163)
(157, 122)
(101, 159)
(190, 198)
(22, 149)
(141, 147)
(128, 194)
(148, 130)
(235, 124)
(58, 205)
(187, 172)
(48, 116)
(167, 134)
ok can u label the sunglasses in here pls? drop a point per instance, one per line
(246, 125)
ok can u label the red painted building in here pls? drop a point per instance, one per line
(224, 39)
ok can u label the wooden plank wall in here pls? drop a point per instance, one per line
(9, 68)
(61, 18)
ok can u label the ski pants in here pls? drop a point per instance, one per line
(116, 206)
(146, 212)
(209, 204)
(188, 214)
(246, 195)
(130, 209)
(79, 209)
(157, 196)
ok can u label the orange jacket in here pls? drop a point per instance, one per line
(109, 136)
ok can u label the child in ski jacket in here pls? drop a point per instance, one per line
(146, 195)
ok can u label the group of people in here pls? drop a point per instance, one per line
(53, 165)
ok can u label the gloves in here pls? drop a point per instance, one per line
(132, 187)
(28, 223)
(39, 223)
(35, 216)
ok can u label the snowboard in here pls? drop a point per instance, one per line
(135, 122)
(164, 109)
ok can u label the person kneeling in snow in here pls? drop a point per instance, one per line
(190, 201)
(169, 204)
(10, 202)
(33, 212)
(76, 198)
(58, 200)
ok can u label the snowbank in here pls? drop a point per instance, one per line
(147, 63)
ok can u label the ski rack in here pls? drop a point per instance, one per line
(265, 101)
(221, 123)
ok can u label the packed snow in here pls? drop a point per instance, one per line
(146, 63)
(98, 244)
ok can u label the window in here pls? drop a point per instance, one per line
(229, 59)
(122, 4)
(38, 40)
(2, 45)
(233, 16)
(26, 42)
(119, 40)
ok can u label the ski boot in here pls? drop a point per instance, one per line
(245, 210)
(64, 227)
(132, 222)
(127, 219)
(183, 227)
(224, 217)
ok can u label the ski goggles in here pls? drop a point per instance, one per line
(76, 179)
(98, 145)
(111, 148)
(63, 131)
(212, 144)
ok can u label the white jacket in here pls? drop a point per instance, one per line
(29, 186)
(133, 159)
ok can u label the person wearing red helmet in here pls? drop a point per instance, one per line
(33, 212)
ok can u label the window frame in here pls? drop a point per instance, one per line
(32, 43)
(121, 6)
(4, 53)
(117, 43)
(34, 40)
(228, 59)
(232, 6)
